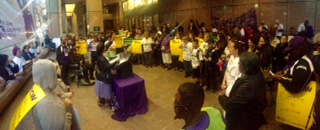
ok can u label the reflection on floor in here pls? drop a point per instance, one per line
(161, 86)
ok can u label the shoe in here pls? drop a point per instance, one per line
(181, 70)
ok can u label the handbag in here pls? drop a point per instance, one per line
(266, 73)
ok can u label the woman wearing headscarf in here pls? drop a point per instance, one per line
(103, 76)
(18, 59)
(246, 102)
(51, 113)
(26, 54)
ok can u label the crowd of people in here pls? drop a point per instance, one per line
(235, 59)
(242, 63)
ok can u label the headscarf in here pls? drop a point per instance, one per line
(44, 74)
(15, 51)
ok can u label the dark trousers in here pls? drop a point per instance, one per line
(211, 78)
(140, 59)
(64, 73)
(93, 62)
(187, 67)
(85, 68)
(175, 60)
(148, 57)
(158, 57)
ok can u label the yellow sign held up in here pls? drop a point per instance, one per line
(118, 41)
(175, 47)
(31, 99)
(136, 47)
(294, 109)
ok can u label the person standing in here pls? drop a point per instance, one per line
(147, 49)
(197, 57)
(187, 56)
(93, 50)
(245, 105)
(103, 76)
(64, 59)
(165, 48)
(279, 29)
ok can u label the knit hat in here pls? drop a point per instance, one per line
(15, 50)
(294, 43)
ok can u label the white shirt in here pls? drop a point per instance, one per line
(196, 58)
(20, 62)
(33, 51)
(231, 72)
(147, 44)
(229, 88)
(242, 32)
(301, 27)
(187, 51)
(279, 26)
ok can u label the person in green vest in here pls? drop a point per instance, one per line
(188, 106)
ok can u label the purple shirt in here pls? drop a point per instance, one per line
(165, 45)
(202, 124)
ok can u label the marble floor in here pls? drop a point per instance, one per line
(161, 86)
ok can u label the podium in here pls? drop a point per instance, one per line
(131, 96)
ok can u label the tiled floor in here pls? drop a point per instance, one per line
(161, 85)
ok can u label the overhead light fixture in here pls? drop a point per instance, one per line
(70, 8)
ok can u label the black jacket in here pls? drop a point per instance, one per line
(265, 54)
(246, 103)
(279, 56)
(103, 70)
(61, 57)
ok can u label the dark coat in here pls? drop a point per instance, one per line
(279, 56)
(246, 103)
(266, 55)
(103, 70)
(61, 57)
(27, 56)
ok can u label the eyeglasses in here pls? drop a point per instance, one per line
(177, 105)
(184, 107)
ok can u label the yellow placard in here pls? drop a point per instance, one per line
(294, 109)
(31, 99)
(136, 47)
(175, 47)
(118, 41)
(82, 47)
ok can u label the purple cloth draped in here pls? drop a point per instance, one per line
(103, 90)
(131, 96)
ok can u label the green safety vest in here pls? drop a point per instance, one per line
(215, 117)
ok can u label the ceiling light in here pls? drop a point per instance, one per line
(70, 8)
